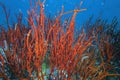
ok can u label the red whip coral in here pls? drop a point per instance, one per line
(24, 50)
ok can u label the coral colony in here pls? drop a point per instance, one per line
(47, 50)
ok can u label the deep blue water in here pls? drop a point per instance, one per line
(106, 9)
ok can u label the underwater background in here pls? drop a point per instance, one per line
(107, 9)
(60, 40)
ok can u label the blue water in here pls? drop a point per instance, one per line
(106, 9)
